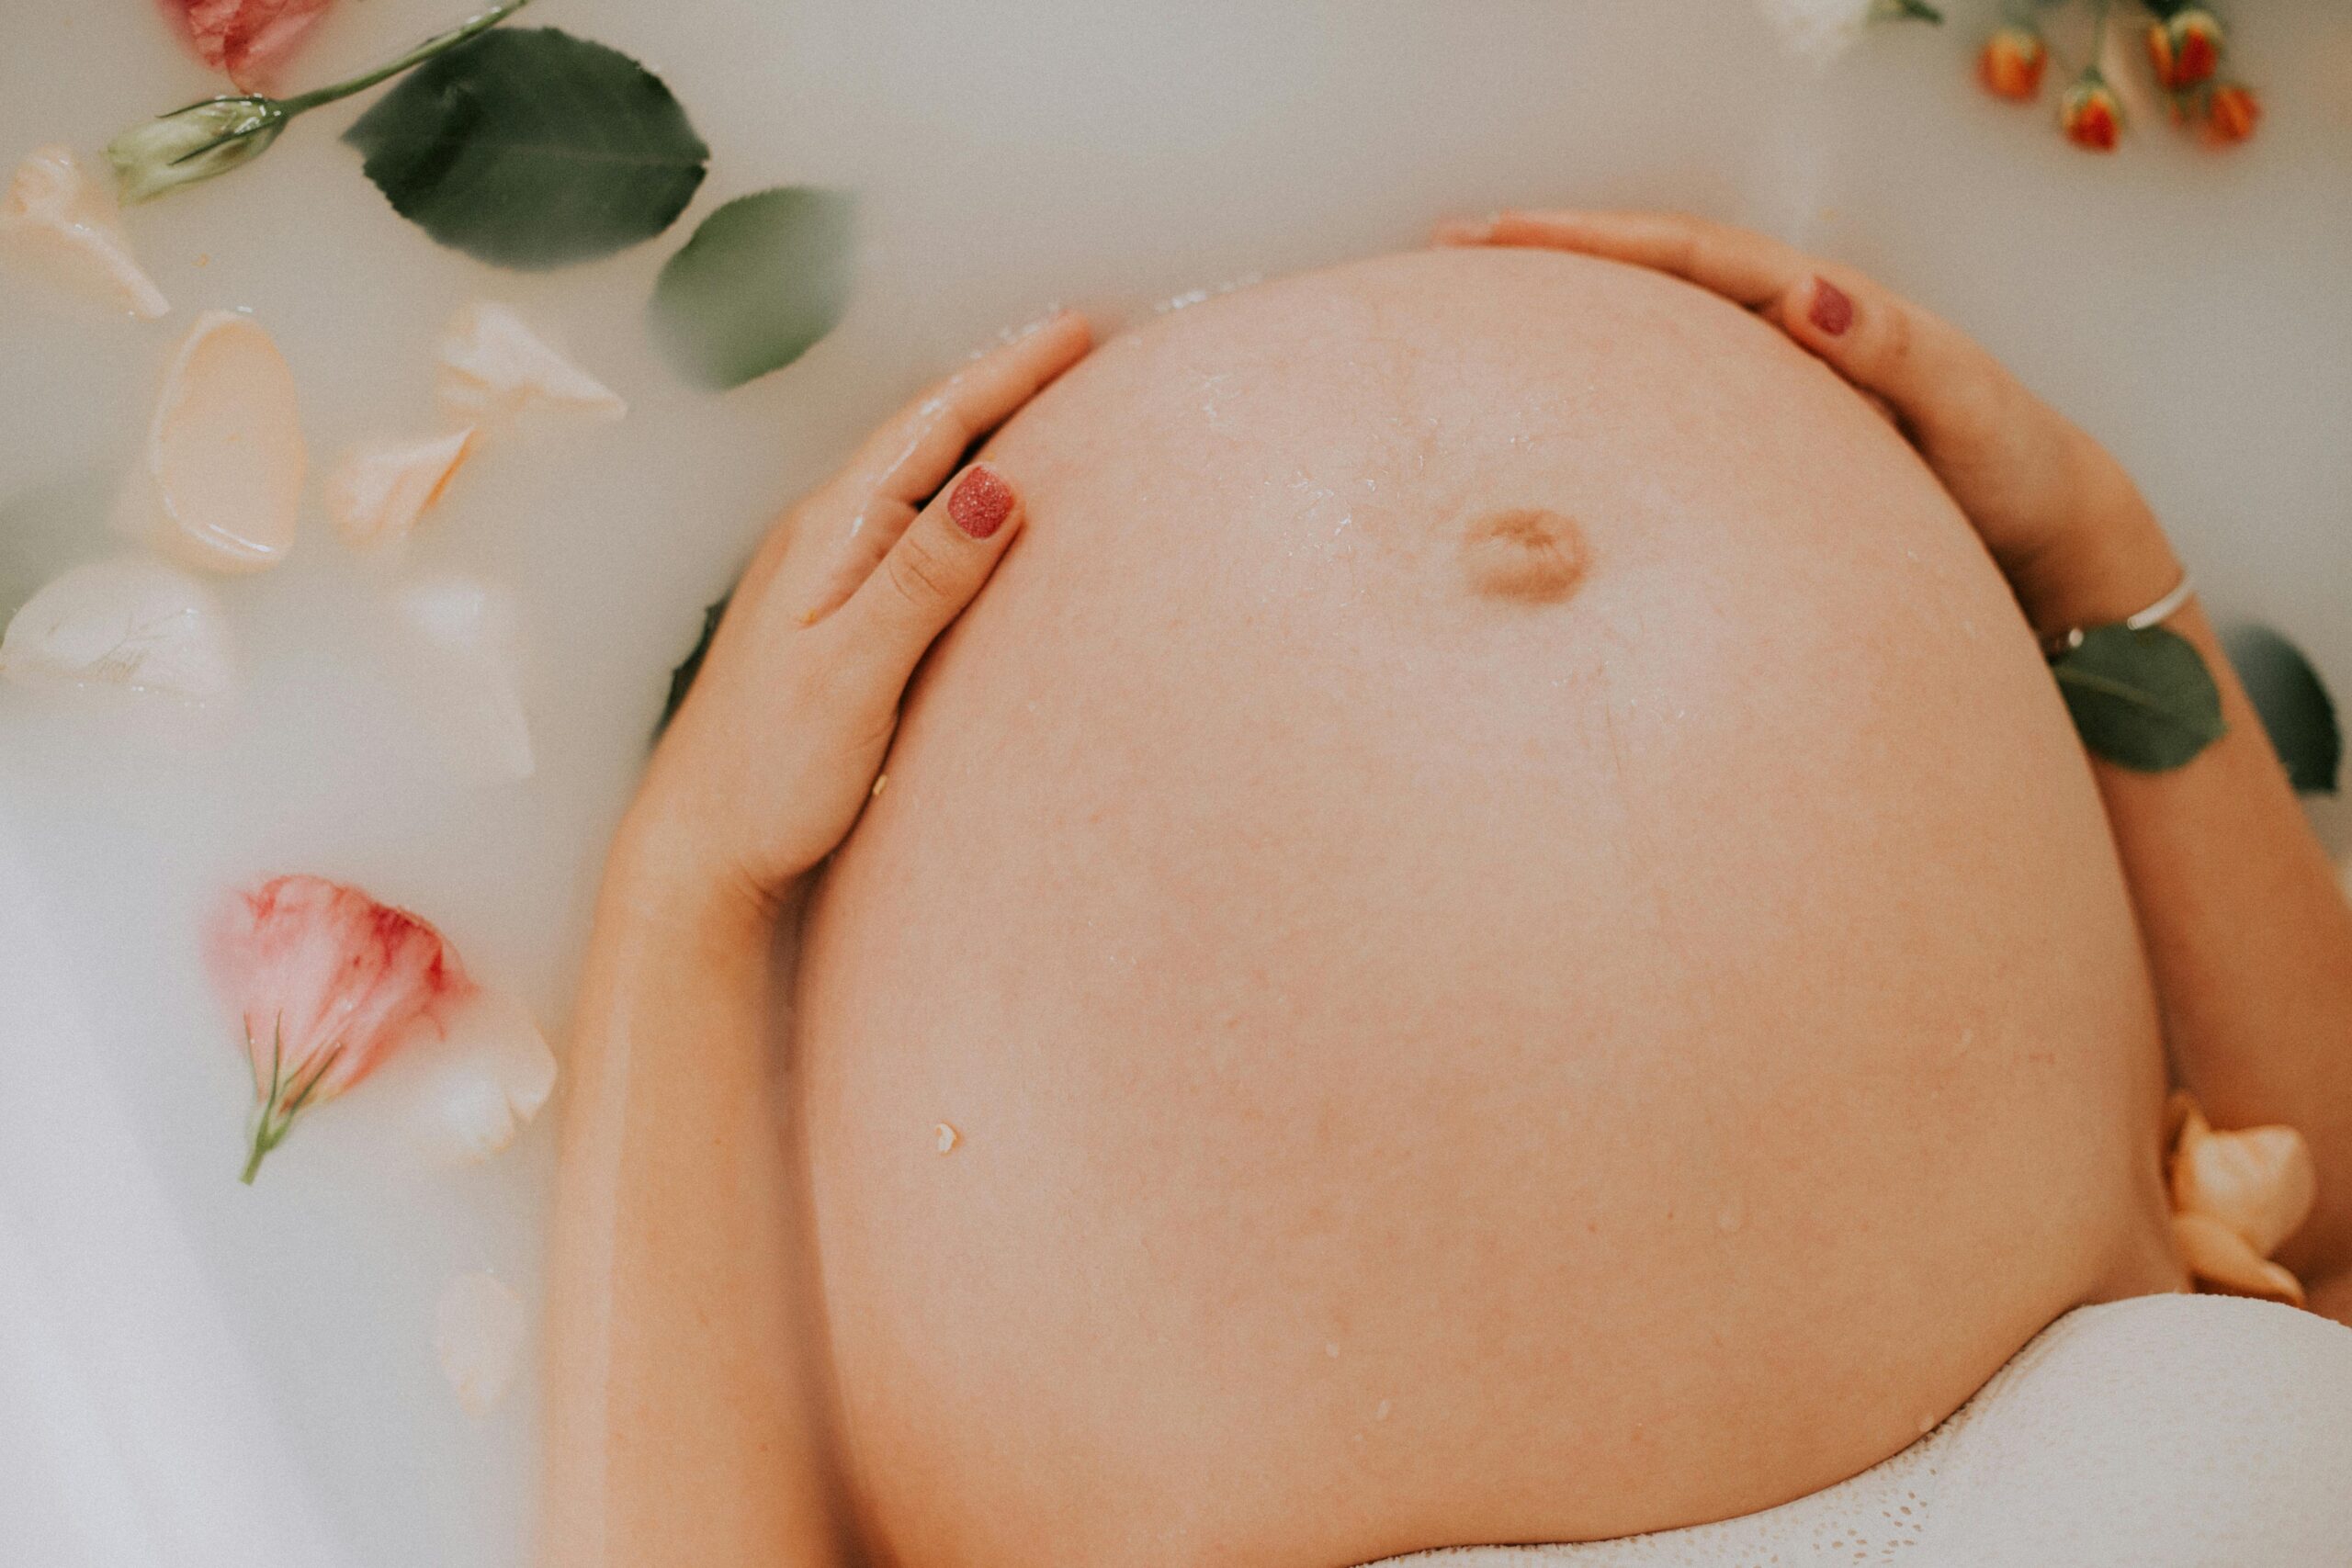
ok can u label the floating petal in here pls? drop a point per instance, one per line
(467, 630)
(2219, 1257)
(326, 983)
(379, 489)
(2259, 1181)
(59, 220)
(1817, 30)
(482, 1082)
(478, 1330)
(225, 453)
(494, 367)
(244, 38)
(132, 621)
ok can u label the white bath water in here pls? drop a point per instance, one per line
(197, 1373)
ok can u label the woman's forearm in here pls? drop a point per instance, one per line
(683, 1422)
(2247, 931)
(688, 1395)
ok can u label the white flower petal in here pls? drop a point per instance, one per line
(1817, 30)
(379, 489)
(471, 653)
(225, 454)
(478, 1085)
(478, 1331)
(130, 622)
(63, 223)
(494, 367)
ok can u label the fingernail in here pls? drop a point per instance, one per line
(981, 503)
(1832, 310)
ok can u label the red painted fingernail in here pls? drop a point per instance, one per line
(1833, 310)
(981, 503)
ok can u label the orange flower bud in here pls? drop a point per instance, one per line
(2231, 111)
(2089, 114)
(2185, 48)
(2011, 64)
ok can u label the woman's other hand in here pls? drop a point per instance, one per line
(766, 766)
(2061, 517)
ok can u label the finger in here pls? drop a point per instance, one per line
(909, 458)
(861, 513)
(1934, 379)
(1749, 268)
(937, 568)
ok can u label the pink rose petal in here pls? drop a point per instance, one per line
(327, 982)
(244, 37)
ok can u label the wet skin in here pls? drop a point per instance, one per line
(1514, 935)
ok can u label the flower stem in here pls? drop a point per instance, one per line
(439, 43)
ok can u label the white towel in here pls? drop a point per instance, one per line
(2159, 1432)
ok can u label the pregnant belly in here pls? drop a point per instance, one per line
(1491, 933)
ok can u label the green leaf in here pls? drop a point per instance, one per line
(2140, 699)
(530, 148)
(763, 278)
(2293, 703)
(682, 679)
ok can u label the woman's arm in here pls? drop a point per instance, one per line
(687, 1403)
(2248, 934)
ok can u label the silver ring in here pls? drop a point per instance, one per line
(2163, 609)
(2155, 615)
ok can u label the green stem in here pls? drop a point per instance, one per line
(253, 1166)
(269, 1132)
(439, 43)
(2098, 36)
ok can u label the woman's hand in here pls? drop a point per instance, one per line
(2248, 937)
(2061, 519)
(765, 768)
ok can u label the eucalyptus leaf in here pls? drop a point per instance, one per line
(763, 278)
(2293, 703)
(530, 148)
(682, 679)
(2140, 699)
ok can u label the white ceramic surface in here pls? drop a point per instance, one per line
(196, 1373)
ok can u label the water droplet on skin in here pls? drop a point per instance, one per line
(1731, 1216)
(1382, 1414)
(1332, 1348)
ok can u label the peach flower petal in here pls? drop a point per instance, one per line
(132, 621)
(494, 367)
(2259, 1181)
(379, 489)
(62, 223)
(478, 1331)
(2221, 1258)
(224, 453)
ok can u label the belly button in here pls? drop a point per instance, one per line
(1526, 555)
